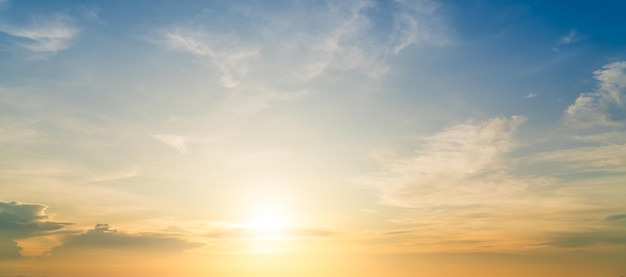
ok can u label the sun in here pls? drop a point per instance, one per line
(267, 222)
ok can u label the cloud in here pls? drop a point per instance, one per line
(593, 109)
(102, 237)
(176, 141)
(299, 44)
(587, 239)
(615, 217)
(605, 158)
(45, 35)
(530, 95)
(9, 249)
(461, 165)
(20, 220)
(225, 53)
(417, 23)
(570, 38)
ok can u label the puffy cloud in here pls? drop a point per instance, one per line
(102, 237)
(45, 36)
(594, 108)
(20, 220)
(462, 165)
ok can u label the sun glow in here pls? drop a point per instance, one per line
(267, 222)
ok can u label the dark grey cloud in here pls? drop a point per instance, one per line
(615, 217)
(102, 237)
(9, 249)
(20, 220)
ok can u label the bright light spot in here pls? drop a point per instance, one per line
(267, 222)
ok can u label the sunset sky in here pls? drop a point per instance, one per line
(312, 138)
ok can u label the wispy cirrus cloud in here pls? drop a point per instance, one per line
(223, 52)
(176, 141)
(295, 47)
(461, 165)
(45, 35)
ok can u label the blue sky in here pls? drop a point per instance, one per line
(379, 127)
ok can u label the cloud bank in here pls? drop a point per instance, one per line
(102, 237)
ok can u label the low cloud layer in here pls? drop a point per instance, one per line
(103, 237)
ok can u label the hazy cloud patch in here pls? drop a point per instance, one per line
(176, 141)
(44, 36)
(615, 217)
(304, 43)
(587, 239)
(570, 38)
(461, 165)
(598, 158)
(102, 237)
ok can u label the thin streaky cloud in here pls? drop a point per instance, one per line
(45, 35)
(176, 141)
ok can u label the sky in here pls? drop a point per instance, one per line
(312, 138)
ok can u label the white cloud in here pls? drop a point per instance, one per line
(223, 52)
(176, 141)
(45, 36)
(301, 45)
(592, 108)
(530, 95)
(462, 165)
(417, 23)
